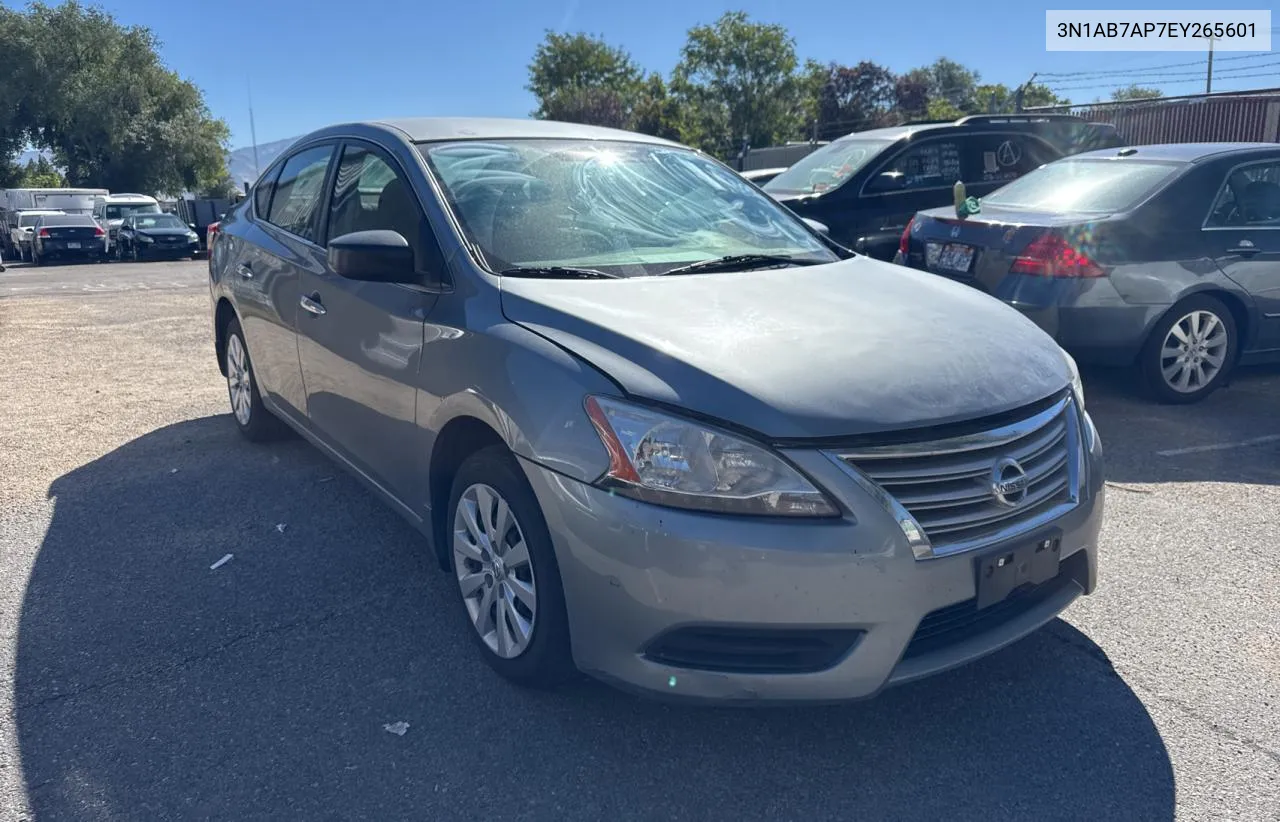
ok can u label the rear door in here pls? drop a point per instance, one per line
(281, 245)
(1242, 234)
(360, 343)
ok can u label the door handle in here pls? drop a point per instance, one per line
(312, 305)
(244, 271)
(1244, 250)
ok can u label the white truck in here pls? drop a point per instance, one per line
(66, 200)
(111, 209)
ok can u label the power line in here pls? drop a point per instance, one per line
(1089, 75)
(1170, 82)
(1199, 73)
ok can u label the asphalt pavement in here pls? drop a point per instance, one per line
(141, 682)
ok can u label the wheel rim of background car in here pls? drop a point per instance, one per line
(238, 380)
(495, 571)
(1194, 351)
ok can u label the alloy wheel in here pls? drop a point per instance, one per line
(495, 571)
(1194, 351)
(239, 380)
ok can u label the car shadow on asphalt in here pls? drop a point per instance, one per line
(149, 685)
(1231, 436)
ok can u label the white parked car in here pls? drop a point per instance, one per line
(21, 230)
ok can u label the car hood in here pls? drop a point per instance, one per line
(847, 348)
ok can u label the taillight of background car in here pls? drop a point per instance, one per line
(211, 234)
(98, 232)
(905, 241)
(1051, 255)
(44, 232)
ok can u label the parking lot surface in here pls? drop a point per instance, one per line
(140, 683)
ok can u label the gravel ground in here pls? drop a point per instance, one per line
(140, 684)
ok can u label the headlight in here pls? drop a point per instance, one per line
(1077, 386)
(143, 238)
(665, 460)
(191, 235)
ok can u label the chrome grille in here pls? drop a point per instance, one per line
(943, 491)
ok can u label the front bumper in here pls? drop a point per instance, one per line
(160, 250)
(634, 573)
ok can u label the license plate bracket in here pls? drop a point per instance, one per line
(954, 258)
(1002, 572)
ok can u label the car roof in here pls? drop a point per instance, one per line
(1028, 122)
(1181, 152)
(435, 129)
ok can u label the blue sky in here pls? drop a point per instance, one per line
(313, 62)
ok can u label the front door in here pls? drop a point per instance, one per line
(1242, 234)
(360, 343)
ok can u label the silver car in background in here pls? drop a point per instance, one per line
(657, 428)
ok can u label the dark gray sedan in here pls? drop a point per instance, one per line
(1167, 257)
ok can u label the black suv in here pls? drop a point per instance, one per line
(865, 186)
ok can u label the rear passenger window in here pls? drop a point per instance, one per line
(999, 158)
(369, 195)
(262, 192)
(298, 191)
(1251, 196)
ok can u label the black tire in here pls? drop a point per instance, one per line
(259, 424)
(1153, 358)
(547, 661)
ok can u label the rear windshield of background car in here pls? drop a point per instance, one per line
(119, 212)
(66, 219)
(1094, 186)
(30, 219)
(827, 167)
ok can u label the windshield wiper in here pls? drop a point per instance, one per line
(558, 272)
(740, 262)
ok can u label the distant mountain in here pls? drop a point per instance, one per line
(240, 161)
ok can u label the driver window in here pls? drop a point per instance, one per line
(1250, 197)
(368, 195)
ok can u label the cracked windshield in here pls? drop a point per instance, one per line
(566, 410)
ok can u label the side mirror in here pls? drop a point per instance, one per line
(821, 228)
(889, 181)
(373, 256)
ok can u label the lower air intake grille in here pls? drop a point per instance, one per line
(752, 651)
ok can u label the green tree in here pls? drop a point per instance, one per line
(1134, 92)
(40, 173)
(737, 79)
(593, 105)
(951, 82)
(95, 94)
(656, 111)
(564, 64)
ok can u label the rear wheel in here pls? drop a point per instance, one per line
(250, 413)
(1191, 351)
(506, 571)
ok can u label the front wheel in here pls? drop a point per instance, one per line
(506, 571)
(1191, 351)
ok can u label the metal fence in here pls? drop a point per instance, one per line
(1202, 118)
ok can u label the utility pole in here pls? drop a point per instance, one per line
(253, 132)
(1021, 92)
(1208, 80)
